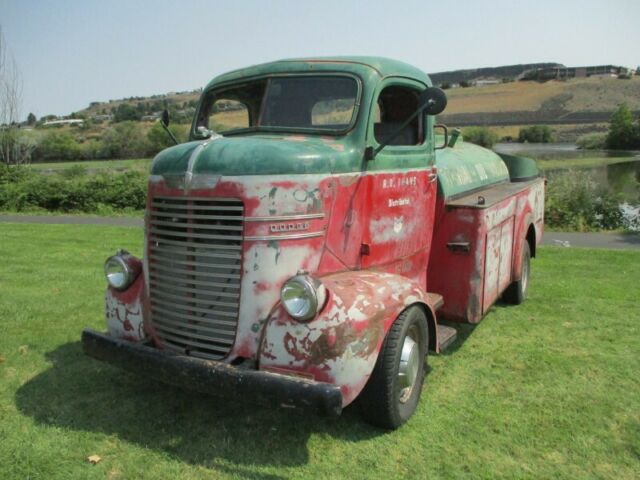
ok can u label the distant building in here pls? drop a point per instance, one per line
(487, 81)
(564, 73)
(102, 118)
(152, 117)
(69, 121)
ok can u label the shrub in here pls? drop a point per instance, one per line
(124, 140)
(592, 141)
(575, 201)
(73, 191)
(483, 136)
(158, 139)
(536, 134)
(55, 145)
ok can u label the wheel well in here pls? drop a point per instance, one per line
(531, 238)
(431, 322)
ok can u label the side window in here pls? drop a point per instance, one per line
(228, 115)
(395, 105)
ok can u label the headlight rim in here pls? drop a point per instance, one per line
(121, 257)
(316, 298)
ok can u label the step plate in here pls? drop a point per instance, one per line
(446, 336)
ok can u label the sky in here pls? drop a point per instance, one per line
(74, 52)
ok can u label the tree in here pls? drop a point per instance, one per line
(622, 133)
(159, 139)
(31, 119)
(15, 147)
(536, 134)
(125, 140)
(482, 136)
(124, 112)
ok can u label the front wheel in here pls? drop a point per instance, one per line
(393, 391)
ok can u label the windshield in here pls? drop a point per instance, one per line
(309, 103)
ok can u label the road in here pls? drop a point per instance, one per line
(559, 239)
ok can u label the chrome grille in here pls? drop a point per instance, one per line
(195, 249)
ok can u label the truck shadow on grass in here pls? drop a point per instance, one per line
(79, 393)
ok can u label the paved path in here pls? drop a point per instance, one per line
(592, 240)
(560, 239)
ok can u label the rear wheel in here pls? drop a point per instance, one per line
(517, 292)
(393, 391)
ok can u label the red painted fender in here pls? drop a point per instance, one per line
(126, 309)
(341, 345)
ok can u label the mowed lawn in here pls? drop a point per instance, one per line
(549, 389)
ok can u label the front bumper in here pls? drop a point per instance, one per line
(213, 377)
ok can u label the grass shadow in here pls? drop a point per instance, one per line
(464, 330)
(80, 393)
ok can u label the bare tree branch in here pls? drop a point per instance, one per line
(15, 147)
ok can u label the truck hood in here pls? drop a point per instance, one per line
(258, 155)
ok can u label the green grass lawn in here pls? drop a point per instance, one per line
(549, 389)
(142, 164)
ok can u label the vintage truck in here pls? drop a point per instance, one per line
(303, 246)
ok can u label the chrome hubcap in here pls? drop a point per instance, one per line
(409, 367)
(525, 276)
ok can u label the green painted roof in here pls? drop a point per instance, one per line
(362, 66)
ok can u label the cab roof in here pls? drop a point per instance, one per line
(365, 67)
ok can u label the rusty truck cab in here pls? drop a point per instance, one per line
(299, 245)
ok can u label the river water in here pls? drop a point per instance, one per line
(621, 178)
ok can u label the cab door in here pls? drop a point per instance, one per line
(402, 182)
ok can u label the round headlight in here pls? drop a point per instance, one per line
(302, 296)
(118, 273)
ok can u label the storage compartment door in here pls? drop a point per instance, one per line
(497, 263)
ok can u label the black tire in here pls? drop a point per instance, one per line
(517, 292)
(386, 401)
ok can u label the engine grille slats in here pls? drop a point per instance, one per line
(179, 281)
(162, 215)
(166, 323)
(168, 260)
(173, 288)
(195, 244)
(181, 300)
(194, 254)
(177, 233)
(176, 339)
(202, 253)
(173, 306)
(198, 273)
(192, 318)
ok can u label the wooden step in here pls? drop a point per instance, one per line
(446, 336)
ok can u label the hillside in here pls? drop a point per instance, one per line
(577, 106)
(505, 71)
(550, 100)
(576, 95)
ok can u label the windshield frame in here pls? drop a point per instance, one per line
(317, 130)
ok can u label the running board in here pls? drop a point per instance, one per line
(446, 336)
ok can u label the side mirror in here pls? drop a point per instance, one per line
(165, 118)
(164, 121)
(433, 101)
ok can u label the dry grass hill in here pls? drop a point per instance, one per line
(573, 106)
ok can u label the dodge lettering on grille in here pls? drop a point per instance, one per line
(289, 227)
